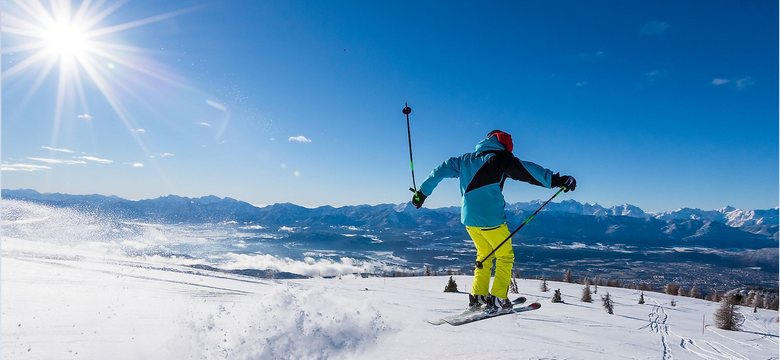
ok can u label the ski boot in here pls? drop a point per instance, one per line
(476, 302)
(497, 304)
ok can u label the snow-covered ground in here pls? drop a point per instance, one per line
(62, 303)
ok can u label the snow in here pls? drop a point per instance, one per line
(77, 302)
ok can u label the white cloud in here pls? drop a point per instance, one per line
(738, 84)
(92, 158)
(138, 165)
(744, 82)
(86, 117)
(299, 138)
(657, 28)
(165, 154)
(581, 83)
(216, 105)
(57, 161)
(599, 55)
(655, 76)
(140, 130)
(58, 150)
(205, 124)
(23, 167)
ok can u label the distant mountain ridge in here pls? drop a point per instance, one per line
(568, 220)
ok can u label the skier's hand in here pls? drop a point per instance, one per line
(418, 198)
(564, 181)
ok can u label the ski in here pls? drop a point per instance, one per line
(475, 315)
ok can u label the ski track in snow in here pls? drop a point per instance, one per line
(658, 322)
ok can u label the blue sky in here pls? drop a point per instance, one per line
(662, 104)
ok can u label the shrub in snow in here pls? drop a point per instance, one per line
(557, 297)
(451, 286)
(642, 297)
(544, 287)
(673, 303)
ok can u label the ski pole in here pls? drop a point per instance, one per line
(407, 110)
(479, 262)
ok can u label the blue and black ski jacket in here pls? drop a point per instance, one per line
(482, 175)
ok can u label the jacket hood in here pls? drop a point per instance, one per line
(489, 144)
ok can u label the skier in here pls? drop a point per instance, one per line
(482, 175)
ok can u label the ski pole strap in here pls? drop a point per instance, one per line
(479, 264)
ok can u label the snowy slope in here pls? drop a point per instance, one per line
(59, 303)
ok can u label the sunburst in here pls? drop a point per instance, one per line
(73, 40)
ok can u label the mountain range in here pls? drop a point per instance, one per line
(566, 221)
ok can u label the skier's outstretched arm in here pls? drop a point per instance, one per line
(448, 169)
(532, 173)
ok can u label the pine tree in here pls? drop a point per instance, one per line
(586, 294)
(557, 296)
(596, 287)
(728, 317)
(543, 286)
(642, 297)
(513, 287)
(606, 301)
(680, 291)
(567, 276)
(451, 286)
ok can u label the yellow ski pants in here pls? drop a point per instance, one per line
(487, 239)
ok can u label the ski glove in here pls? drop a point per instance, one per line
(418, 199)
(568, 181)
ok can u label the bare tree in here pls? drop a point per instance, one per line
(567, 276)
(671, 289)
(695, 293)
(728, 317)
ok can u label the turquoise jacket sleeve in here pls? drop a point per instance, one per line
(447, 169)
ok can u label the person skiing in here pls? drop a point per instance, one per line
(482, 174)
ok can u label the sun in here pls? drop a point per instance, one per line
(65, 39)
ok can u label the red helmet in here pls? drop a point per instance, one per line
(504, 138)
